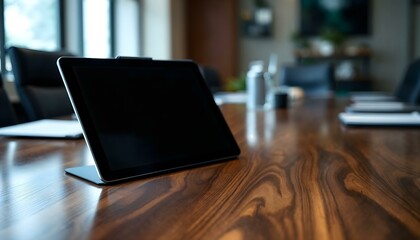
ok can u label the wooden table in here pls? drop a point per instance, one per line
(301, 175)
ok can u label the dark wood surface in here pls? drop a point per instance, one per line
(301, 175)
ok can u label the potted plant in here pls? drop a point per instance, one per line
(332, 40)
(300, 41)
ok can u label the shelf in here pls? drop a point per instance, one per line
(314, 54)
(352, 71)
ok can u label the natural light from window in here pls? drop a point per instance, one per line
(96, 24)
(33, 24)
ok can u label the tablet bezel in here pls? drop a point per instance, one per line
(66, 64)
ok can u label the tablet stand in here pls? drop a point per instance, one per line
(87, 173)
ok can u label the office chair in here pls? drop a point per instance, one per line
(212, 78)
(7, 113)
(39, 84)
(314, 79)
(409, 88)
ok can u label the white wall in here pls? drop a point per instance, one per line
(72, 25)
(156, 29)
(389, 39)
(164, 29)
(178, 34)
(390, 43)
(127, 29)
(417, 32)
(251, 49)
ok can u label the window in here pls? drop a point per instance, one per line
(94, 28)
(111, 27)
(32, 24)
(127, 28)
(97, 28)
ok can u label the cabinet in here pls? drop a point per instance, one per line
(352, 71)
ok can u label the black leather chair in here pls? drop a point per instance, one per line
(7, 113)
(39, 84)
(212, 78)
(314, 79)
(408, 90)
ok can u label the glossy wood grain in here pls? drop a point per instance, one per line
(301, 175)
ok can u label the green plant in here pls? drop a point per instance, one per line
(236, 84)
(299, 40)
(333, 36)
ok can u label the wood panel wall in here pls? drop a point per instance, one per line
(211, 34)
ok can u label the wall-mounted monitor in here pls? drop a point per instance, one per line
(351, 17)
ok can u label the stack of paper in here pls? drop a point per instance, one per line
(366, 119)
(380, 110)
(382, 107)
(46, 128)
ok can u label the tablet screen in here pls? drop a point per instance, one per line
(143, 117)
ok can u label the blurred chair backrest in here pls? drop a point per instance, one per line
(39, 84)
(7, 113)
(409, 88)
(315, 79)
(212, 78)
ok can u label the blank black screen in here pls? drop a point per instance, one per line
(148, 115)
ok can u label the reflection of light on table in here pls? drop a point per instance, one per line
(251, 128)
(10, 152)
(260, 124)
(269, 125)
(88, 158)
(24, 178)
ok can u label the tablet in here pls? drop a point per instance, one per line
(143, 117)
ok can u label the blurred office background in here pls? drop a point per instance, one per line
(225, 35)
